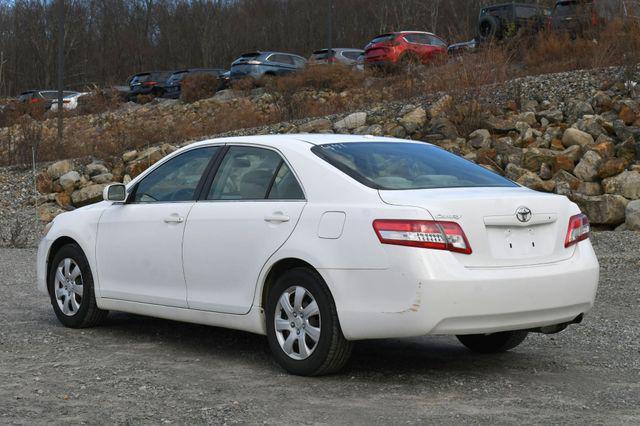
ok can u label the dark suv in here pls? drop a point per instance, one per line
(584, 17)
(173, 87)
(506, 20)
(147, 83)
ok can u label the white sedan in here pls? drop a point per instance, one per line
(317, 241)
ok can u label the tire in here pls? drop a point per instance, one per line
(493, 343)
(489, 28)
(84, 312)
(326, 355)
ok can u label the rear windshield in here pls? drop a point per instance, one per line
(384, 37)
(402, 166)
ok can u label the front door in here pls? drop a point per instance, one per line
(252, 207)
(139, 243)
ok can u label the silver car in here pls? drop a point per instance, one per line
(345, 56)
(259, 64)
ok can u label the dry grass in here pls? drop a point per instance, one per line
(199, 87)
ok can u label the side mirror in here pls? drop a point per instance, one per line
(116, 192)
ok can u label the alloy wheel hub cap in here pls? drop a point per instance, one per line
(297, 323)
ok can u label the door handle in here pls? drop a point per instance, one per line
(174, 219)
(277, 218)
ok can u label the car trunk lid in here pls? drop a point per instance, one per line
(504, 226)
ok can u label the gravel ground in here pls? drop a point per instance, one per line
(142, 370)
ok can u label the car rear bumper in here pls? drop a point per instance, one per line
(428, 294)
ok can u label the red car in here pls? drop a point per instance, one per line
(404, 48)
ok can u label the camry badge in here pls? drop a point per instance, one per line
(523, 214)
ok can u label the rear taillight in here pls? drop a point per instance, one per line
(150, 83)
(423, 233)
(35, 100)
(578, 230)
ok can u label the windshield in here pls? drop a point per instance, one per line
(403, 166)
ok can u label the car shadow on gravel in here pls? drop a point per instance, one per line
(428, 355)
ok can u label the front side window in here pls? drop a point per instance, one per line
(403, 166)
(177, 179)
(250, 173)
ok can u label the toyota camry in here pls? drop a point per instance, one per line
(317, 241)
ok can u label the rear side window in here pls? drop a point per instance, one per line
(282, 59)
(351, 54)
(298, 62)
(250, 173)
(403, 166)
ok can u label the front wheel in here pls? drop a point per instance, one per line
(70, 284)
(493, 343)
(302, 325)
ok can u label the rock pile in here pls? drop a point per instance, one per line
(585, 146)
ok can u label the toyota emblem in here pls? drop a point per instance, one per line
(523, 214)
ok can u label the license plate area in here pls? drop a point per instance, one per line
(520, 242)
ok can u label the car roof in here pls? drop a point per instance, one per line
(289, 140)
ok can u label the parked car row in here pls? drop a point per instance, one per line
(390, 51)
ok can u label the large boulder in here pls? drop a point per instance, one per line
(612, 167)
(633, 216)
(602, 209)
(574, 136)
(69, 179)
(414, 120)
(627, 150)
(94, 169)
(59, 168)
(626, 184)
(587, 169)
(320, 125)
(87, 195)
(533, 181)
(441, 106)
(551, 115)
(480, 138)
(445, 128)
(44, 184)
(351, 121)
(533, 158)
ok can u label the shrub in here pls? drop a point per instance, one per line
(99, 100)
(199, 86)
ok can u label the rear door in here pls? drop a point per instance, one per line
(250, 209)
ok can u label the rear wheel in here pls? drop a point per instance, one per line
(70, 284)
(302, 325)
(493, 343)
